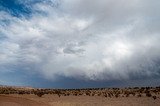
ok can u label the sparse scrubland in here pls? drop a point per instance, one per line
(89, 96)
(152, 92)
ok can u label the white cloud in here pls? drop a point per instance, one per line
(95, 40)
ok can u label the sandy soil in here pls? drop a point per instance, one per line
(54, 100)
(7, 100)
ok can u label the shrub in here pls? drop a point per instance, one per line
(59, 94)
(75, 94)
(93, 94)
(127, 95)
(6, 92)
(105, 95)
(88, 93)
(21, 92)
(133, 94)
(117, 95)
(109, 95)
(148, 94)
(39, 94)
(154, 97)
(139, 95)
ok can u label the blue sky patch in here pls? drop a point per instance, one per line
(14, 7)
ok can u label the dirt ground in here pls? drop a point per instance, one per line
(54, 100)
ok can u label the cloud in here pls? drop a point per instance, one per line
(83, 39)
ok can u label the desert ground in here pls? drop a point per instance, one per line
(146, 96)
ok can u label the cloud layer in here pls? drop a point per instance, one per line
(83, 39)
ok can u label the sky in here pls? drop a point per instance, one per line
(79, 43)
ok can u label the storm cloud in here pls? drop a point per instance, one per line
(83, 39)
